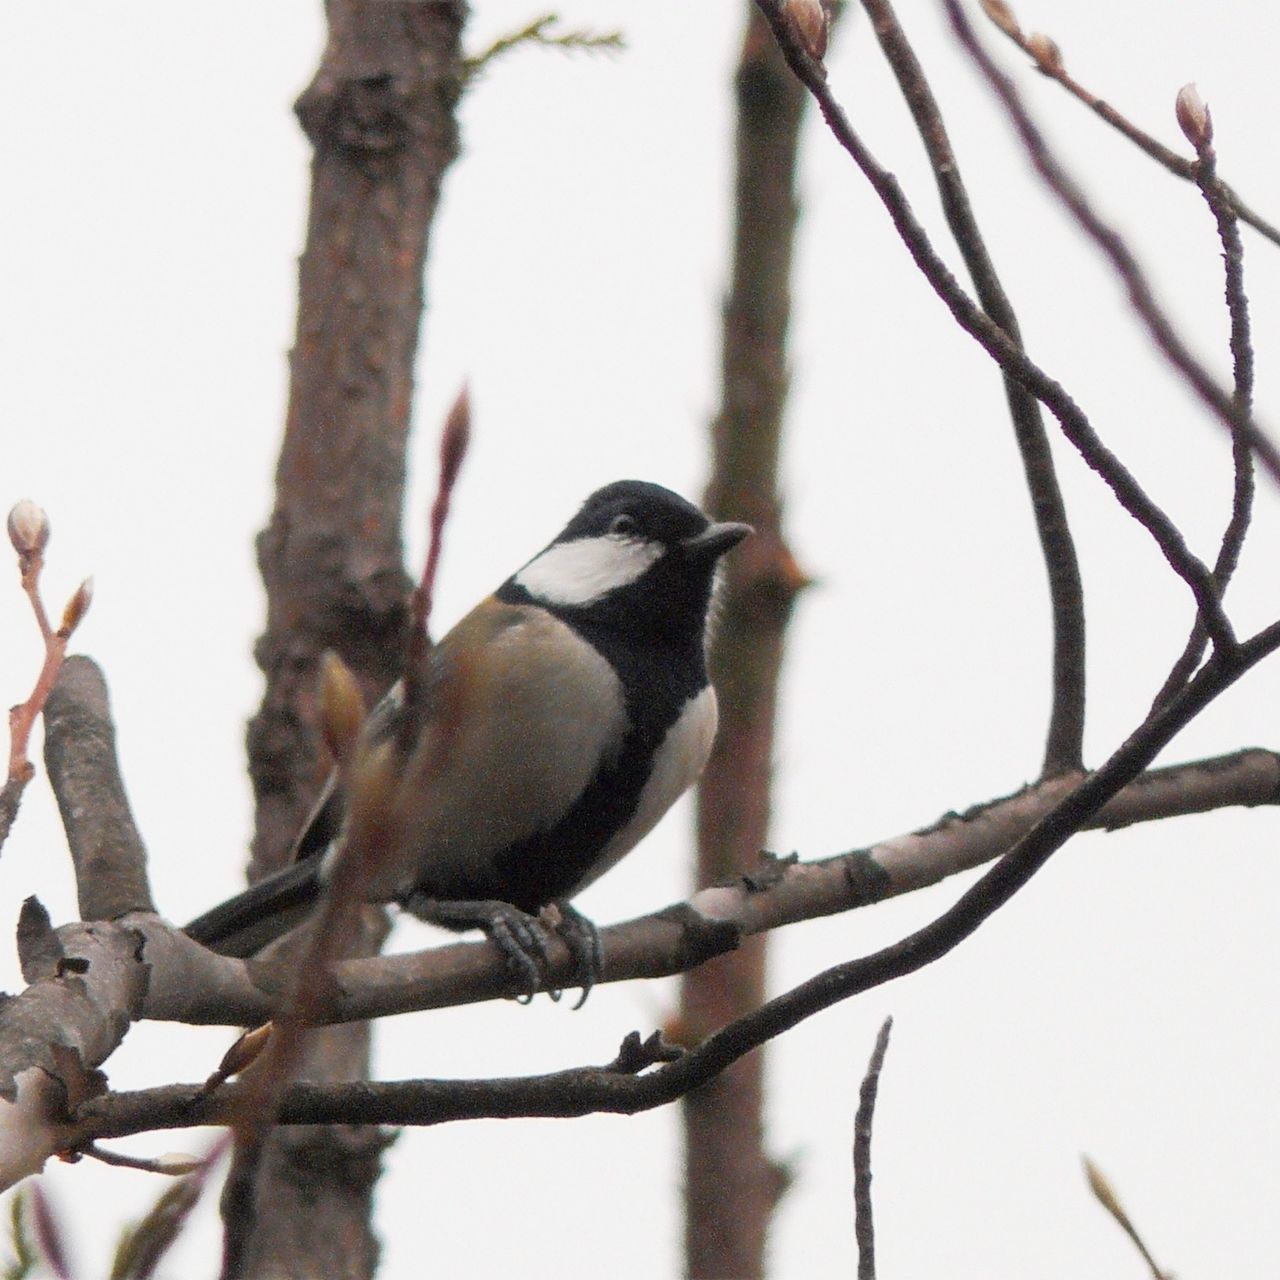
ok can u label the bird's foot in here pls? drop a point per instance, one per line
(582, 938)
(521, 938)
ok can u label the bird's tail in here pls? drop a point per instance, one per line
(245, 924)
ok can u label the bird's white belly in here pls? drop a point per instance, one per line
(676, 766)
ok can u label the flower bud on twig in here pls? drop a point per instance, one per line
(1044, 49)
(77, 607)
(28, 527)
(1193, 117)
(808, 19)
(1002, 16)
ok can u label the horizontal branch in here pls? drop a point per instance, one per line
(190, 984)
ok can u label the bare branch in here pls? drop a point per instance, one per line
(1065, 739)
(993, 339)
(87, 985)
(1113, 246)
(621, 1090)
(1242, 364)
(191, 984)
(1055, 69)
(29, 529)
(864, 1222)
(80, 754)
(541, 32)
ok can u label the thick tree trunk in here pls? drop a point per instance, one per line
(731, 1185)
(380, 117)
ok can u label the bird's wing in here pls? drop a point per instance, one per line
(519, 715)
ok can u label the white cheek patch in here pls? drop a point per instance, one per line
(587, 569)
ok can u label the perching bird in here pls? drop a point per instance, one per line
(559, 720)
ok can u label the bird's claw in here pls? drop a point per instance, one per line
(522, 938)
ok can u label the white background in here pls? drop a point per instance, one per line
(155, 188)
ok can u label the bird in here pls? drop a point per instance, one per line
(549, 731)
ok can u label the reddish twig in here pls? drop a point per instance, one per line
(455, 439)
(29, 533)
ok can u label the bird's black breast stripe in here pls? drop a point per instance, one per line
(657, 683)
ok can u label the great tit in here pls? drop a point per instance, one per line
(559, 720)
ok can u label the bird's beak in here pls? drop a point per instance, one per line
(716, 539)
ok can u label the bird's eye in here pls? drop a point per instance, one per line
(623, 525)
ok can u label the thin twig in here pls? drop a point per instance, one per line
(864, 1225)
(993, 339)
(1113, 246)
(1101, 1187)
(1242, 370)
(28, 528)
(1065, 739)
(1054, 69)
(539, 32)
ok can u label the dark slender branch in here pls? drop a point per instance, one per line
(1241, 361)
(1065, 739)
(581, 1091)
(1242, 367)
(864, 1224)
(1179, 165)
(1113, 246)
(993, 339)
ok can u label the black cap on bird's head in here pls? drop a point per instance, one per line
(635, 555)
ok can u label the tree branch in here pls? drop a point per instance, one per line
(863, 1218)
(190, 984)
(1065, 739)
(993, 339)
(625, 1087)
(1114, 248)
(107, 852)
(1049, 63)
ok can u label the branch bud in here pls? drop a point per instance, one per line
(1002, 16)
(77, 607)
(1193, 117)
(1044, 49)
(28, 527)
(1103, 1191)
(244, 1052)
(808, 21)
(455, 439)
(342, 709)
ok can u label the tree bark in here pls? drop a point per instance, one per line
(731, 1185)
(380, 117)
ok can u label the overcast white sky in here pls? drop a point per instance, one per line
(1123, 1005)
